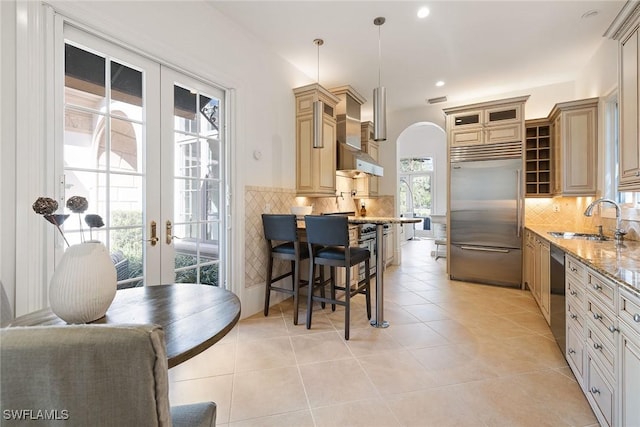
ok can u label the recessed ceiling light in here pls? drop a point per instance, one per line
(589, 14)
(439, 83)
(423, 12)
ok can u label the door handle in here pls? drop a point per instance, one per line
(473, 248)
(168, 230)
(518, 203)
(154, 237)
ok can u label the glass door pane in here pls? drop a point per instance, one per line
(101, 156)
(197, 212)
(107, 116)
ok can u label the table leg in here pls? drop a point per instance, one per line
(379, 322)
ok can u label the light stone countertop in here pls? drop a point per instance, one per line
(621, 263)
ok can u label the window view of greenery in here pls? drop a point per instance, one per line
(415, 186)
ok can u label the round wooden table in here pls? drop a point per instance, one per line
(194, 317)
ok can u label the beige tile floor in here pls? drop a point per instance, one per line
(456, 354)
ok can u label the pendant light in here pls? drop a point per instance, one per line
(379, 96)
(317, 107)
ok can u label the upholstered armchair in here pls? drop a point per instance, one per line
(90, 375)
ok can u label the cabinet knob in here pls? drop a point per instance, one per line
(573, 316)
(573, 269)
(596, 316)
(597, 346)
(574, 293)
(571, 351)
(636, 317)
(594, 390)
(597, 287)
(613, 329)
(637, 173)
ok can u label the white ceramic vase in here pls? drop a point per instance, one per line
(84, 283)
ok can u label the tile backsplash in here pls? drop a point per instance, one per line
(259, 200)
(567, 214)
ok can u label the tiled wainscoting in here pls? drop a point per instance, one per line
(259, 200)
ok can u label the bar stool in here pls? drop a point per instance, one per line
(283, 243)
(328, 242)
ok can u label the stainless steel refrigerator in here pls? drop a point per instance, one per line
(486, 221)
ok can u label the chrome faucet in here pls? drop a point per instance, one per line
(619, 233)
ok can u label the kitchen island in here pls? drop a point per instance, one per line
(380, 222)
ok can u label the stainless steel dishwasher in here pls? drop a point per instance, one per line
(557, 308)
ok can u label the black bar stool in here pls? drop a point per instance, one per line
(328, 242)
(283, 243)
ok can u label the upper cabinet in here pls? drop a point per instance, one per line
(574, 130)
(486, 123)
(315, 167)
(625, 30)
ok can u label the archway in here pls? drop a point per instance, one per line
(422, 161)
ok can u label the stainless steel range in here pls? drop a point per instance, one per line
(367, 240)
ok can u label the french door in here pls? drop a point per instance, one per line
(145, 145)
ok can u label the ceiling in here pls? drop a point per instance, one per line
(478, 48)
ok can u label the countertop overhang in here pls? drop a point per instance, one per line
(619, 262)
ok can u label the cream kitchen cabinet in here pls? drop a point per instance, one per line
(367, 186)
(602, 333)
(575, 304)
(575, 147)
(537, 258)
(542, 276)
(629, 358)
(625, 30)
(388, 247)
(486, 123)
(315, 167)
(529, 263)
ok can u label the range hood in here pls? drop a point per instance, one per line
(352, 161)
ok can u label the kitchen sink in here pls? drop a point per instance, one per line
(571, 235)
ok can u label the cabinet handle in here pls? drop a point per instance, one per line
(636, 317)
(572, 351)
(573, 316)
(597, 346)
(596, 316)
(613, 329)
(594, 390)
(574, 293)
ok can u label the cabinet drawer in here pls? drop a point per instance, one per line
(575, 290)
(601, 392)
(629, 309)
(603, 320)
(575, 352)
(575, 268)
(603, 289)
(575, 315)
(601, 349)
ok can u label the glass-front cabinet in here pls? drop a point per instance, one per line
(486, 123)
